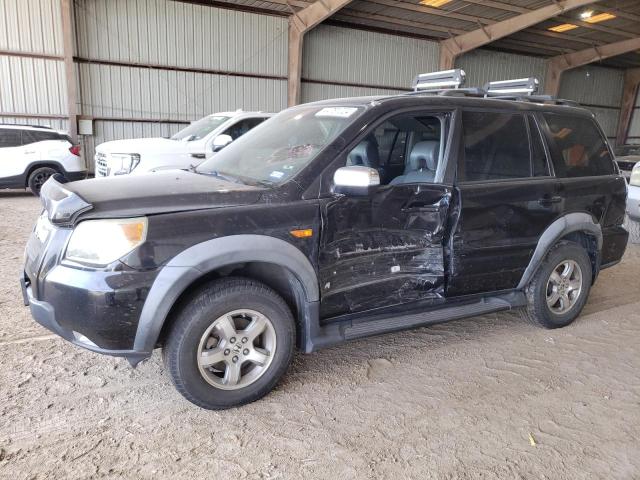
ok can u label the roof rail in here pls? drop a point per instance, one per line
(25, 125)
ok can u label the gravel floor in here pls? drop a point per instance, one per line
(488, 397)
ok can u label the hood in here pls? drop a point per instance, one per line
(128, 195)
(144, 146)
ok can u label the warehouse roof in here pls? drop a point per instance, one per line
(600, 23)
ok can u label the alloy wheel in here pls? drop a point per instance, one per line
(236, 349)
(564, 287)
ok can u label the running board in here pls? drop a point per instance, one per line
(351, 329)
(363, 328)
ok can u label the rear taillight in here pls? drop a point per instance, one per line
(75, 150)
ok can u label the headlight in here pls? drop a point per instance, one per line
(124, 163)
(635, 176)
(100, 242)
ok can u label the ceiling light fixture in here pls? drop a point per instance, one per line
(601, 17)
(565, 27)
(586, 14)
(434, 3)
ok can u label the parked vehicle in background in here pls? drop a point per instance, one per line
(626, 157)
(633, 204)
(628, 160)
(30, 154)
(189, 147)
(333, 221)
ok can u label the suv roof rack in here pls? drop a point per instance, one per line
(24, 125)
(449, 82)
(436, 81)
(519, 86)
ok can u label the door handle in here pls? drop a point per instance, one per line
(550, 200)
(29, 152)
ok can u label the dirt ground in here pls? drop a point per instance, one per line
(487, 397)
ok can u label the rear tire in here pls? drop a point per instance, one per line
(560, 287)
(38, 177)
(229, 344)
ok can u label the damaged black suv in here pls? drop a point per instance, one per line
(329, 222)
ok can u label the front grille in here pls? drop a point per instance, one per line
(102, 167)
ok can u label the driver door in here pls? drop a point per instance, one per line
(387, 248)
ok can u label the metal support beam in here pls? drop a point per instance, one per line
(629, 98)
(556, 66)
(66, 9)
(452, 48)
(300, 23)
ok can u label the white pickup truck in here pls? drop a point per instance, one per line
(190, 146)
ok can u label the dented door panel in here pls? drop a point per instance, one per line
(384, 249)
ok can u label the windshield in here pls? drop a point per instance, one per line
(200, 129)
(279, 148)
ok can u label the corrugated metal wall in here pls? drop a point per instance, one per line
(155, 60)
(482, 66)
(634, 129)
(31, 26)
(32, 85)
(599, 89)
(335, 56)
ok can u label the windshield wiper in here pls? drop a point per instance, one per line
(224, 176)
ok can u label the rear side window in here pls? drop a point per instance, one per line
(496, 147)
(577, 147)
(10, 137)
(33, 136)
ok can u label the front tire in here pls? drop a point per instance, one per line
(229, 344)
(38, 177)
(560, 287)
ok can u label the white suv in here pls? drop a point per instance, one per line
(29, 155)
(190, 146)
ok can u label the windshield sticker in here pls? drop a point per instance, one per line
(276, 174)
(340, 112)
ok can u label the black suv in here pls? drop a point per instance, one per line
(331, 221)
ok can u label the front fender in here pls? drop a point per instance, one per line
(205, 257)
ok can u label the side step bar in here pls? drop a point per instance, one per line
(338, 332)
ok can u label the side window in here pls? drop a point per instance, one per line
(404, 149)
(33, 136)
(539, 163)
(243, 126)
(496, 147)
(10, 137)
(577, 147)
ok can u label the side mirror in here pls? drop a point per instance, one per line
(221, 141)
(355, 181)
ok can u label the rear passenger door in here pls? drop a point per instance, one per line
(588, 178)
(508, 198)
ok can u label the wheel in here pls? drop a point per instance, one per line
(229, 344)
(38, 177)
(633, 228)
(560, 287)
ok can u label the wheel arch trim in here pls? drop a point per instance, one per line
(570, 223)
(202, 258)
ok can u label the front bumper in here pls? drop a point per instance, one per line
(98, 311)
(633, 203)
(44, 314)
